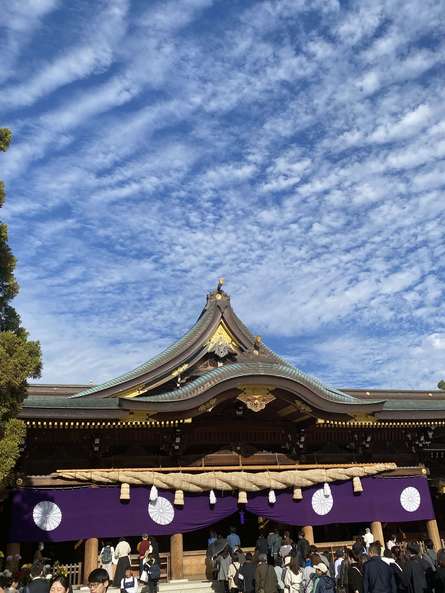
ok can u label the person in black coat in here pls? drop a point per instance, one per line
(247, 571)
(391, 557)
(351, 576)
(38, 582)
(414, 571)
(439, 582)
(261, 545)
(377, 575)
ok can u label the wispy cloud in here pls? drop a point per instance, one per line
(295, 147)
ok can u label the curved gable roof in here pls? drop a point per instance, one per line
(217, 309)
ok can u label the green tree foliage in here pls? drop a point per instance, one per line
(441, 385)
(19, 357)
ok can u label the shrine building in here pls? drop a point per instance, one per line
(219, 429)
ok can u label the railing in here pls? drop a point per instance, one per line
(74, 573)
(164, 564)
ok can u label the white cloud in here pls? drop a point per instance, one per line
(91, 57)
(188, 144)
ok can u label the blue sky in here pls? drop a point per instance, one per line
(295, 147)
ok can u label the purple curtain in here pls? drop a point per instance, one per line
(79, 513)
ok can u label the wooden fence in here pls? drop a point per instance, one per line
(164, 562)
(74, 573)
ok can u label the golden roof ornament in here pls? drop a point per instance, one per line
(255, 397)
(222, 342)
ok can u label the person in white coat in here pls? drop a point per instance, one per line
(368, 538)
(293, 577)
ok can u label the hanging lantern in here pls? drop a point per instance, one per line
(242, 497)
(272, 497)
(153, 494)
(357, 485)
(297, 494)
(125, 491)
(326, 490)
(212, 497)
(179, 498)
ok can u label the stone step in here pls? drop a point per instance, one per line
(179, 586)
(186, 586)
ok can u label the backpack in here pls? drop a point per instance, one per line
(106, 556)
(155, 572)
(326, 584)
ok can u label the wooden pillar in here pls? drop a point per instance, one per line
(12, 549)
(433, 533)
(308, 532)
(176, 556)
(377, 532)
(91, 554)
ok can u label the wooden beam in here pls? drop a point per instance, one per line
(55, 479)
(409, 471)
(291, 409)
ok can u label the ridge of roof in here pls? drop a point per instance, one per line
(161, 358)
(243, 369)
(54, 402)
(414, 404)
(265, 348)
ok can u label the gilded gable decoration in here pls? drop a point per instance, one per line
(222, 342)
(255, 397)
(134, 391)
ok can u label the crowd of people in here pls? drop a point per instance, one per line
(281, 565)
(278, 564)
(116, 562)
(35, 578)
(46, 576)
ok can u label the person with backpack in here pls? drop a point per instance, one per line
(153, 571)
(106, 558)
(129, 583)
(235, 578)
(324, 582)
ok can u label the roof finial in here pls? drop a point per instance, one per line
(257, 344)
(220, 285)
